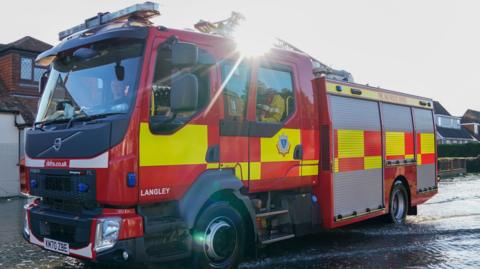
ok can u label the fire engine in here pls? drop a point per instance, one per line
(154, 144)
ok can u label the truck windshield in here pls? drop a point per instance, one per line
(91, 82)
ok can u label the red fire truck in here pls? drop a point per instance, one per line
(154, 144)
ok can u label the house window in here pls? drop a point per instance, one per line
(37, 73)
(26, 68)
(30, 72)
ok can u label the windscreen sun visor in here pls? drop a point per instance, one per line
(48, 56)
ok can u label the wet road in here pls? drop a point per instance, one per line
(445, 234)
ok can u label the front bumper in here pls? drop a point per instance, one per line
(79, 232)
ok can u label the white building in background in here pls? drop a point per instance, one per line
(19, 95)
(11, 149)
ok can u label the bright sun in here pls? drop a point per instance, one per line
(252, 40)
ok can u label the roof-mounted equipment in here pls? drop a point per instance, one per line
(227, 26)
(138, 12)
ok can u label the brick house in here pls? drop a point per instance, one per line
(471, 121)
(18, 105)
(19, 74)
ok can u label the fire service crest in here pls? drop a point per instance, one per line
(283, 146)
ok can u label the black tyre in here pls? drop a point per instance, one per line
(398, 207)
(218, 237)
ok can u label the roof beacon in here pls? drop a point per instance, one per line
(143, 11)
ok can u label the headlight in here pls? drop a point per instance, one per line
(106, 234)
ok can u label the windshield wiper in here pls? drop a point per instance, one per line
(90, 118)
(39, 125)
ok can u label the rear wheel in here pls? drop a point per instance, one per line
(398, 204)
(218, 237)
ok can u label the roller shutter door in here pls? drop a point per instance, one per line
(358, 178)
(425, 149)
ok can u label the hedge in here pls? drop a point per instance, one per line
(462, 150)
(458, 150)
(473, 166)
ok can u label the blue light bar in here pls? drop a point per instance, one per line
(145, 11)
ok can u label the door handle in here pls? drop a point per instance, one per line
(213, 154)
(298, 152)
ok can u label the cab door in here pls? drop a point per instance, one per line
(234, 126)
(274, 127)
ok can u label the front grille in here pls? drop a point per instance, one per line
(65, 233)
(60, 186)
(65, 205)
(58, 183)
(71, 229)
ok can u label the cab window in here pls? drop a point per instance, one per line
(162, 119)
(235, 92)
(275, 98)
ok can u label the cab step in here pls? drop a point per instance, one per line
(268, 239)
(272, 213)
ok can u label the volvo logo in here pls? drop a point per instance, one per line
(57, 144)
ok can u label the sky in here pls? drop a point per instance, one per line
(427, 48)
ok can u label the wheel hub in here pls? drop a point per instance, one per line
(220, 240)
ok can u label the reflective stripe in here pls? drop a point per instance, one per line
(350, 143)
(241, 169)
(395, 143)
(186, 146)
(428, 143)
(310, 170)
(357, 150)
(425, 148)
(100, 161)
(372, 162)
(379, 95)
(399, 145)
(269, 151)
(309, 167)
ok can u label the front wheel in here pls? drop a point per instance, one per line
(398, 204)
(218, 237)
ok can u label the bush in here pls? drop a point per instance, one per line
(459, 150)
(473, 166)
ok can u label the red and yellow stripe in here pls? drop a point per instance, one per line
(399, 145)
(357, 150)
(425, 148)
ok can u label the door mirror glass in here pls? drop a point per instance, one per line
(184, 54)
(184, 93)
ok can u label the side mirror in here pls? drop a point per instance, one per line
(184, 93)
(43, 82)
(184, 54)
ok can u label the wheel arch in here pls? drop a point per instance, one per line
(217, 185)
